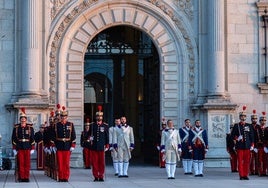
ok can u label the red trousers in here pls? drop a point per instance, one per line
(87, 157)
(98, 163)
(233, 161)
(161, 161)
(63, 161)
(24, 163)
(243, 157)
(262, 162)
(253, 163)
(40, 162)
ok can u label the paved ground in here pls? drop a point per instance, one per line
(139, 177)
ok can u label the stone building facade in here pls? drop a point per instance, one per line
(212, 59)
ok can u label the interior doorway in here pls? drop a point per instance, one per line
(121, 73)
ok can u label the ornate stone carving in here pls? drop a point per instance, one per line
(87, 3)
(56, 6)
(218, 126)
(186, 6)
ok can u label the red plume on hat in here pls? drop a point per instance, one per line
(23, 112)
(58, 109)
(99, 113)
(58, 106)
(51, 113)
(254, 115)
(64, 112)
(243, 113)
(263, 117)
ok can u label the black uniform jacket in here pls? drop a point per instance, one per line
(100, 135)
(23, 137)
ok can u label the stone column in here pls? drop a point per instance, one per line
(30, 47)
(216, 38)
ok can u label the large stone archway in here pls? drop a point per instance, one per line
(167, 29)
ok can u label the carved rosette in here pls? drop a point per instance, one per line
(86, 4)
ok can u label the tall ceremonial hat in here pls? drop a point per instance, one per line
(164, 121)
(58, 111)
(87, 122)
(23, 113)
(64, 112)
(254, 115)
(99, 112)
(51, 118)
(263, 117)
(243, 113)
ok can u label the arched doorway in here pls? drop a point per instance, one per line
(122, 67)
(169, 31)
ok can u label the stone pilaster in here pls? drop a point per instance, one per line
(30, 47)
(216, 63)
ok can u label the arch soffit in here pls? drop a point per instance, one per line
(89, 23)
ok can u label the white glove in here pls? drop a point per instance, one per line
(163, 151)
(71, 149)
(54, 149)
(239, 138)
(106, 149)
(255, 150)
(179, 150)
(251, 148)
(32, 151)
(265, 150)
(158, 148)
(91, 138)
(206, 150)
(111, 148)
(45, 150)
(15, 152)
(190, 150)
(49, 151)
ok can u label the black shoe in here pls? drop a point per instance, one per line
(169, 178)
(116, 174)
(96, 179)
(26, 180)
(125, 176)
(201, 175)
(101, 179)
(246, 178)
(172, 178)
(120, 176)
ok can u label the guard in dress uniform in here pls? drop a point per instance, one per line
(162, 163)
(53, 156)
(186, 155)
(39, 140)
(99, 140)
(243, 137)
(85, 144)
(259, 146)
(199, 147)
(171, 147)
(23, 146)
(114, 153)
(124, 145)
(64, 142)
(230, 147)
(254, 153)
